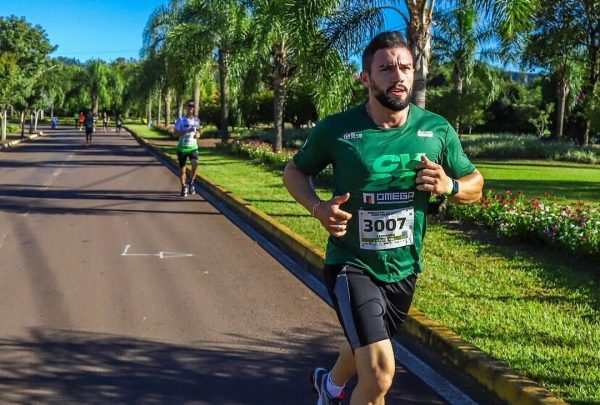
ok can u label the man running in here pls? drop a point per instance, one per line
(81, 119)
(118, 123)
(388, 157)
(187, 130)
(104, 121)
(90, 127)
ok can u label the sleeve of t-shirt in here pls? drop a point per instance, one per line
(455, 162)
(180, 125)
(314, 155)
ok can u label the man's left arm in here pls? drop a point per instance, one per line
(197, 131)
(431, 177)
(469, 188)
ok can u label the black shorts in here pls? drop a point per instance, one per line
(183, 156)
(368, 309)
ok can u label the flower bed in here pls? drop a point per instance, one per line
(574, 227)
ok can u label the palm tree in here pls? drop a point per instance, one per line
(458, 39)
(290, 37)
(356, 19)
(566, 42)
(161, 22)
(213, 25)
(95, 79)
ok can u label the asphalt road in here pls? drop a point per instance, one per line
(114, 289)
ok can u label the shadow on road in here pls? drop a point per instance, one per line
(59, 366)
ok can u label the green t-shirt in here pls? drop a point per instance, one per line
(377, 167)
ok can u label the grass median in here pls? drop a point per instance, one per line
(529, 306)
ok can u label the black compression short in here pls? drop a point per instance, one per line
(183, 156)
(368, 309)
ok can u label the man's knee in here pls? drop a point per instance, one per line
(376, 368)
(377, 381)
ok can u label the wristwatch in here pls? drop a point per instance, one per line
(454, 188)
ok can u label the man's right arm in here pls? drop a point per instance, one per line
(176, 132)
(299, 185)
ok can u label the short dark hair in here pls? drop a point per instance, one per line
(384, 40)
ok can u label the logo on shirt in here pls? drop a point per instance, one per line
(393, 171)
(389, 197)
(352, 135)
(425, 134)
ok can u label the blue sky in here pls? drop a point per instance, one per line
(88, 29)
(97, 29)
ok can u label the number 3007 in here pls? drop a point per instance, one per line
(380, 225)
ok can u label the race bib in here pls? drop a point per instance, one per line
(386, 229)
(188, 140)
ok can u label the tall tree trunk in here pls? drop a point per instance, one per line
(458, 86)
(419, 33)
(52, 110)
(280, 76)
(179, 105)
(562, 93)
(3, 129)
(593, 48)
(224, 88)
(159, 113)
(590, 107)
(149, 110)
(168, 101)
(197, 95)
(95, 104)
(37, 114)
(22, 123)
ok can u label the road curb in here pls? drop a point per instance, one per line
(497, 377)
(10, 144)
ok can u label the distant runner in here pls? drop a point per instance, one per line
(118, 123)
(104, 121)
(81, 120)
(90, 127)
(187, 130)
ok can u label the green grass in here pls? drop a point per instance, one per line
(529, 306)
(564, 181)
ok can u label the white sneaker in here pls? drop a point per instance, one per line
(318, 379)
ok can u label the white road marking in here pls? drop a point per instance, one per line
(48, 182)
(161, 255)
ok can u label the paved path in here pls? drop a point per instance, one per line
(113, 289)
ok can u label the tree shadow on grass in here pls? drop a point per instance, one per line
(559, 268)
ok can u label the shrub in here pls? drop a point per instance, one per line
(257, 152)
(510, 146)
(13, 128)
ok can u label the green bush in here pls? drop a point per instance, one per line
(13, 128)
(509, 146)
